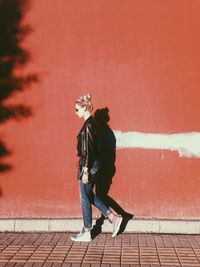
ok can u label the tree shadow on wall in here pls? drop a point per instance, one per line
(107, 147)
(13, 57)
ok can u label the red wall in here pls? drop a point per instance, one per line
(139, 58)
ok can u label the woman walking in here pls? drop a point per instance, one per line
(89, 165)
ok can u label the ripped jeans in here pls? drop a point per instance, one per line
(88, 198)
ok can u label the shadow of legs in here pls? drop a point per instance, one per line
(120, 211)
(111, 203)
(97, 228)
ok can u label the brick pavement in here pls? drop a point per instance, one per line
(57, 250)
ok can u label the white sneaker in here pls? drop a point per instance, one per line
(83, 236)
(116, 226)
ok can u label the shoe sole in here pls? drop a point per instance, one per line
(75, 240)
(118, 227)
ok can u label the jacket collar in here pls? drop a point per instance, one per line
(88, 119)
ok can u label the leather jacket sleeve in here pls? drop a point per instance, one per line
(89, 146)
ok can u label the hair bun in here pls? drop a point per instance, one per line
(85, 101)
(87, 97)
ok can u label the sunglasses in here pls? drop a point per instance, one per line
(76, 109)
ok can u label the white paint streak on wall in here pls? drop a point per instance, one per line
(186, 144)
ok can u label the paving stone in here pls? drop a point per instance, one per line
(34, 250)
(65, 264)
(38, 264)
(48, 264)
(95, 265)
(11, 264)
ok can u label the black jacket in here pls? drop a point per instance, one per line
(87, 144)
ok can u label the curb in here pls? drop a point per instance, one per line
(74, 225)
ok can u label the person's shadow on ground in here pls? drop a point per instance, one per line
(107, 148)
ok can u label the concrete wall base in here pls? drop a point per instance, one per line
(75, 225)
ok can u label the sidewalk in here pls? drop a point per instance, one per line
(57, 249)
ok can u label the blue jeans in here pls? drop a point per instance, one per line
(87, 197)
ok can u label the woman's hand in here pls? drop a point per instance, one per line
(85, 178)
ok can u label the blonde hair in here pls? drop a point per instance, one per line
(85, 101)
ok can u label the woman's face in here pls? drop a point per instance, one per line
(80, 111)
